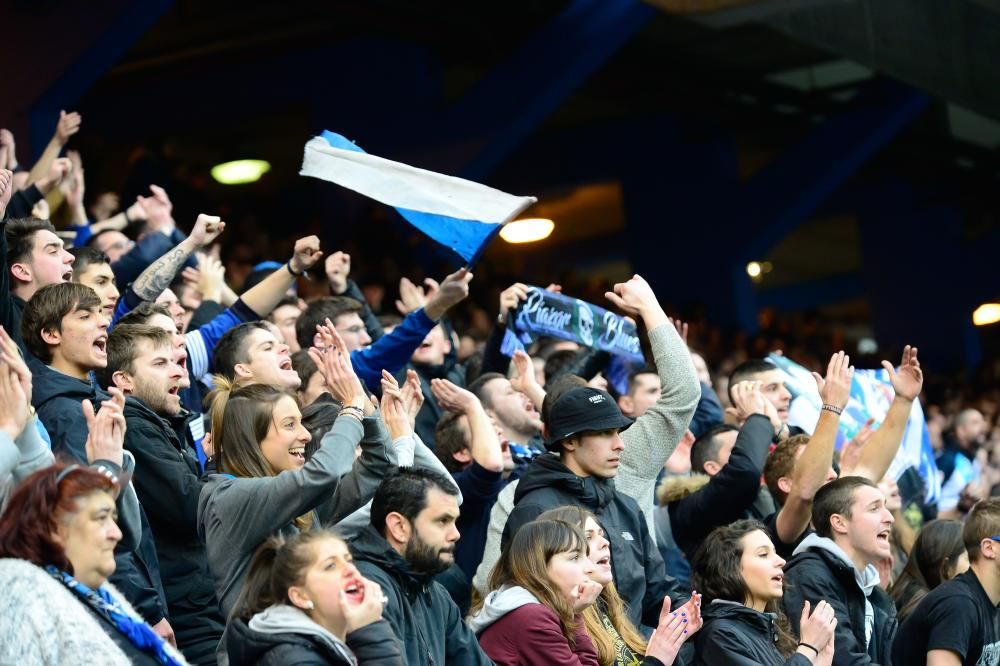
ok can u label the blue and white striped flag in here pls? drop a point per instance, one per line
(459, 214)
(871, 395)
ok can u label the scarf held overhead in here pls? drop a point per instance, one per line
(551, 314)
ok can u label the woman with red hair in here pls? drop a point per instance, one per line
(57, 542)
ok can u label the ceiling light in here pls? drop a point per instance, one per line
(986, 314)
(240, 171)
(527, 230)
(754, 269)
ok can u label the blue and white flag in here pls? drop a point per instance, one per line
(459, 214)
(871, 395)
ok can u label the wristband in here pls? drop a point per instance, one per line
(355, 411)
(833, 408)
(806, 645)
(288, 265)
(351, 415)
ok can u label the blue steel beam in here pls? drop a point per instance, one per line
(90, 66)
(792, 187)
(518, 95)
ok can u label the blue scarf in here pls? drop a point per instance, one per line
(135, 630)
(558, 316)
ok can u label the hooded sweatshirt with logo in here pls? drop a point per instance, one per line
(866, 616)
(515, 628)
(638, 567)
(283, 634)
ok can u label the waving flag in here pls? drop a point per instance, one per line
(459, 214)
(871, 395)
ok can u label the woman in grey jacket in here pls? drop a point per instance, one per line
(266, 487)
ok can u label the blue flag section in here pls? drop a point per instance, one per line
(871, 395)
(558, 316)
(459, 214)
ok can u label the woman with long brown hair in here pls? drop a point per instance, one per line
(740, 575)
(617, 640)
(540, 586)
(937, 555)
(265, 485)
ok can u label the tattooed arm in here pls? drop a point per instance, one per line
(161, 272)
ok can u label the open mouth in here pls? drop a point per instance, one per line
(174, 390)
(299, 453)
(778, 578)
(355, 591)
(883, 536)
(604, 561)
(67, 276)
(286, 364)
(101, 346)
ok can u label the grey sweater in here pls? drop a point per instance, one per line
(236, 515)
(648, 442)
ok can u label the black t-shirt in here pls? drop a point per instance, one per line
(784, 550)
(956, 616)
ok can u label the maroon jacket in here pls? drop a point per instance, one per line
(532, 636)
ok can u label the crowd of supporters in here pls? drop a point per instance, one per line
(192, 473)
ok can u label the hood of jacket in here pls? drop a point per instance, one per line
(246, 646)
(284, 619)
(370, 546)
(547, 471)
(676, 488)
(497, 604)
(867, 580)
(47, 384)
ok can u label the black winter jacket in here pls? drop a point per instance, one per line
(373, 645)
(638, 567)
(734, 635)
(730, 494)
(818, 574)
(420, 611)
(166, 480)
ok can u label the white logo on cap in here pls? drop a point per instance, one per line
(596, 398)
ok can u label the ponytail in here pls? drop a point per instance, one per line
(278, 564)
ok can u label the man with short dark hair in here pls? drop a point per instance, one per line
(958, 622)
(960, 470)
(411, 539)
(584, 426)
(64, 329)
(836, 564)
(33, 257)
(92, 268)
(513, 410)
(141, 362)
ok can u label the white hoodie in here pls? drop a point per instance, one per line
(497, 604)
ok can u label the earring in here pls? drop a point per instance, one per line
(309, 605)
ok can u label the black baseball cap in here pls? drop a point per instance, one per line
(584, 409)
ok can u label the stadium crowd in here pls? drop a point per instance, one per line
(202, 470)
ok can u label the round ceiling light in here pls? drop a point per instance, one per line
(527, 230)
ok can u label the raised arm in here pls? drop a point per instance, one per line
(158, 276)
(655, 434)
(484, 446)
(68, 125)
(879, 452)
(265, 296)
(810, 470)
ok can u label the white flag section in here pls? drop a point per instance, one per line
(457, 213)
(871, 395)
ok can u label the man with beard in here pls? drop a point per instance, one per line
(961, 473)
(412, 538)
(143, 364)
